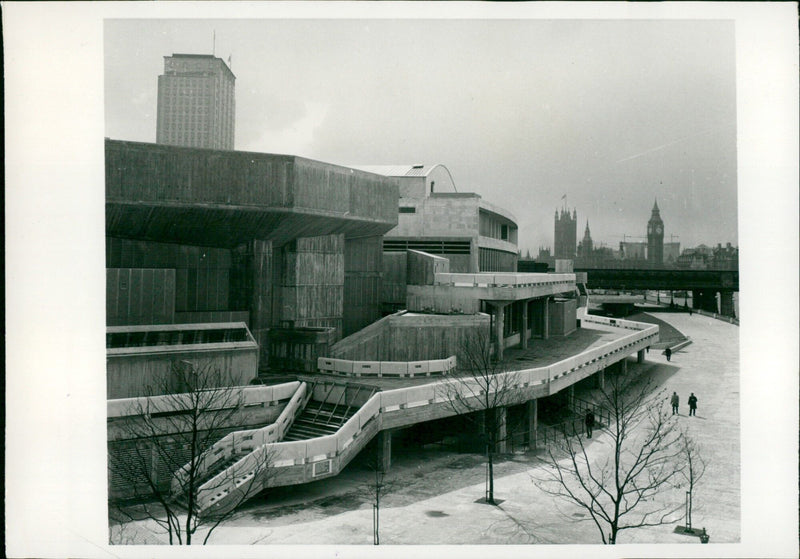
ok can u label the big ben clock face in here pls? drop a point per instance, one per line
(658, 229)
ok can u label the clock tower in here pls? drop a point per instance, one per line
(655, 238)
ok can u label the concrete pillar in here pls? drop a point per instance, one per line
(546, 330)
(261, 257)
(500, 416)
(571, 396)
(523, 338)
(640, 356)
(726, 304)
(623, 366)
(384, 450)
(600, 379)
(499, 322)
(532, 422)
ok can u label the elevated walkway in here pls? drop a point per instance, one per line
(326, 424)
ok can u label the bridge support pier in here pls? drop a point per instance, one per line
(640, 356)
(726, 304)
(704, 300)
(623, 366)
(532, 422)
(571, 396)
(384, 450)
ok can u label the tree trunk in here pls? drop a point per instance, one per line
(491, 477)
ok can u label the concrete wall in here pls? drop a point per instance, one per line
(311, 279)
(363, 279)
(423, 267)
(132, 375)
(412, 337)
(393, 286)
(563, 316)
(139, 296)
(443, 215)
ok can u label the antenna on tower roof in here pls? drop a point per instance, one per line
(214, 42)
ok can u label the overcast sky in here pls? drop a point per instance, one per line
(612, 113)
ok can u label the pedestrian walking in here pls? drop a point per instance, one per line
(692, 404)
(589, 420)
(675, 400)
(668, 353)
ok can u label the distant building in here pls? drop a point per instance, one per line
(196, 102)
(655, 238)
(629, 250)
(672, 252)
(566, 234)
(586, 246)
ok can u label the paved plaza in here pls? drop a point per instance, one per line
(435, 498)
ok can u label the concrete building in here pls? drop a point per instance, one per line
(471, 233)
(196, 102)
(226, 254)
(566, 234)
(277, 242)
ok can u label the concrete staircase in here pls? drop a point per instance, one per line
(323, 418)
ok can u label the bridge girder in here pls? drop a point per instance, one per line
(666, 279)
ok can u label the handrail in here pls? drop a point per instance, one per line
(291, 453)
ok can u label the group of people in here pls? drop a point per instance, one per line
(675, 401)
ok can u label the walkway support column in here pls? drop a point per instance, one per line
(600, 379)
(623, 366)
(532, 420)
(546, 332)
(640, 356)
(384, 450)
(499, 321)
(571, 396)
(524, 334)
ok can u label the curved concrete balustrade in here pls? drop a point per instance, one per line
(307, 460)
(389, 369)
(242, 443)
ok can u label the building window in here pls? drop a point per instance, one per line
(408, 209)
(504, 232)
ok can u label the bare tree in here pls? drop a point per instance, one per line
(164, 465)
(695, 467)
(479, 390)
(626, 480)
(377, 487)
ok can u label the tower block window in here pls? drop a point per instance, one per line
(408, 210)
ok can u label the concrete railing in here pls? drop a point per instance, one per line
(242, 443)
(388, 369)
(294, 453)
(503, 280)
(250, 395)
